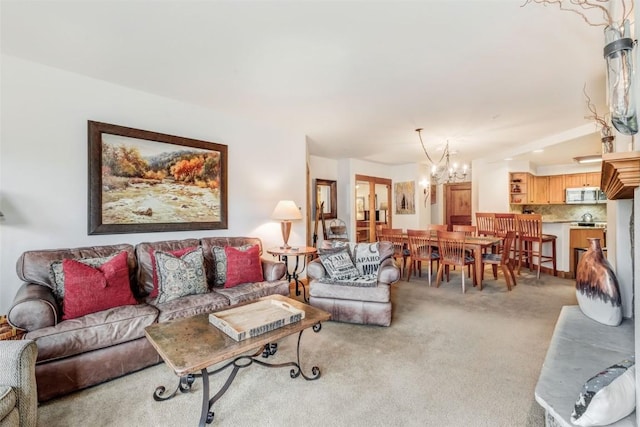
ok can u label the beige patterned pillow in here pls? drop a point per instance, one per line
(180, 276)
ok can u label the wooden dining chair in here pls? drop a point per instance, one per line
(468, 230)
(505, 222)
(452, 253)
(503, 260)
(400, 247)
(531, 241)
(485, 222)
(421, 249)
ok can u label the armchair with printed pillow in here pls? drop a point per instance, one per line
(352, 281)
(86, 308)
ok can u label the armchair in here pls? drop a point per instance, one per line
(369, 305)
(18, 397)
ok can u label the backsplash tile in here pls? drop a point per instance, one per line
(566, 212)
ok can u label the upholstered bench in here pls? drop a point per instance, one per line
(580, 348)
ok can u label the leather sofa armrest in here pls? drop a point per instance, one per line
(273, 270)
(34, 307)
(388, 272)
(315, 270)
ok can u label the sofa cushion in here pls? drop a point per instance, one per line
(190, 306)
(180, 276)
(93, 331)
(56, 273)
(34, 266)
(338, 264)
(253, 291)
(608, 396)
(243, 266)
(221, 264)
(89, 289)
(144, 251)
(379, 293)
(208, 243)
(366, 257)
(178, 253)
(7, 401)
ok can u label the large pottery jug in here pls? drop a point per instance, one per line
(597, 287)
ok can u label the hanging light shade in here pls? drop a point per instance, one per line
(443, 171)
(618, 52)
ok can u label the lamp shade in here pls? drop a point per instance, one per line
(286, 210)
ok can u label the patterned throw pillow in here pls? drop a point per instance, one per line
(366, 257)
(608, 396)
(180, 276)
(338, 264)
(220, 260)
(177, 253)
(89, 289)
(56, 273)
(243, 266)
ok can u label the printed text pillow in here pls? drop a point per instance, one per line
(338, 264)
(366, 257)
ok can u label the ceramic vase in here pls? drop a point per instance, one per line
(597, 288)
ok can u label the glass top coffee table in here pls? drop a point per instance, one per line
(190, 345)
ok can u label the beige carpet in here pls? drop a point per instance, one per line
(448, 359)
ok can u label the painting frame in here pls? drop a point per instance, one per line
(405, 198)
(97, 222)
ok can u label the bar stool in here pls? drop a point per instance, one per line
(505, 222)
(485, 223)
(531, 243)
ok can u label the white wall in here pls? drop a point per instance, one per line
(43, 162)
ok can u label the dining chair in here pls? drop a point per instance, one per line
(503, 260)
(452, 253)
(468, 230)
(400, 247)
(421, 249)
(505, 222)
(485, 223)
(531, 241)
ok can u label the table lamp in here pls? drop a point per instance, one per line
(286, 210)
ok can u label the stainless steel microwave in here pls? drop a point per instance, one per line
(585, 195)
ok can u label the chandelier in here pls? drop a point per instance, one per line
(443, 172)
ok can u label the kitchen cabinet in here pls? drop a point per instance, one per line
(557, 189)
(540, 190)
(547, 189)
(593, 179)
(589, 179)
(578, 239)
(519, 191)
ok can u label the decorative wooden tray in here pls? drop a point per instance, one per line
(255, 319)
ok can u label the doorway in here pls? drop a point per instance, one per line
(373, 200)
(457, 204)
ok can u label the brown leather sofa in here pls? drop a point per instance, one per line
(77, 353)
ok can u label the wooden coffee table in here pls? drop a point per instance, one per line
(188, 346)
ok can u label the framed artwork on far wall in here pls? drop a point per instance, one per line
(142, 181)
(405, 196)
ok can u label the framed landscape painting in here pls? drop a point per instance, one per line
(141, 181)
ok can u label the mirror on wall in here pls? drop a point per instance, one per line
(326, 192)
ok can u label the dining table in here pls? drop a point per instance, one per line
(476, 244)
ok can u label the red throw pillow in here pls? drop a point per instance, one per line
(88, 290)
(176, 253)
(243, 266)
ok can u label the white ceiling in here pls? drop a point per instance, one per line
(357, 77)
